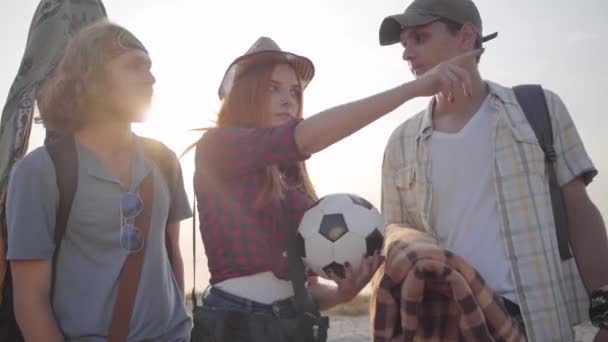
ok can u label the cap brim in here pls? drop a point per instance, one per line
(391, 26)
(489, 37)
(302, 65)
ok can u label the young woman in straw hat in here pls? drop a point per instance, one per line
(252, 185)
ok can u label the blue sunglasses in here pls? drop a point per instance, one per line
(130, 236)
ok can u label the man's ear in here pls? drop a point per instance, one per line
(468, 34)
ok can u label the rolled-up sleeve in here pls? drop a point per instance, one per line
(236, 151)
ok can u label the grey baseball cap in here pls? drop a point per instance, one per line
(422, 12)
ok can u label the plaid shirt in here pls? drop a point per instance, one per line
(230, 172)
(549, 291)
(406, 305)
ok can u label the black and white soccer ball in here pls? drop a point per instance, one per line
(339, 228)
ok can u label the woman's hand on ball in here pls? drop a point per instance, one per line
(355, 280)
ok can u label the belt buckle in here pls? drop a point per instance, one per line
(276, 309)
(206, 293)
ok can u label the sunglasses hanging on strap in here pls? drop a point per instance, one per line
(131, 271)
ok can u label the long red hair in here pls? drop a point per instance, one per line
(247, 106)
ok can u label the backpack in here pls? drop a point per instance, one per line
(62, 150)
(531, 98)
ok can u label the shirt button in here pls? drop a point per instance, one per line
(284, 254)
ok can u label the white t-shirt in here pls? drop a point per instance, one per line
(464, 210)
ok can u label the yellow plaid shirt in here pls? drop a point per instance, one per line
(549, 291)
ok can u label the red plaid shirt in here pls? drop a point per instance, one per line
(240, 239)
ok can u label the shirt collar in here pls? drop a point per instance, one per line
(503, 94)
(140, 166)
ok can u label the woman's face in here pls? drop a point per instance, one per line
(283, 95)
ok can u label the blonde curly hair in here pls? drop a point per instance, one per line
(78, 83)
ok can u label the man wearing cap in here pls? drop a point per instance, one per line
(124, 212)
(470, 171)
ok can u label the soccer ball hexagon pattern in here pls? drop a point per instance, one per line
(339, 228)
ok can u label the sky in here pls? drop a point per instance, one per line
(556, 43)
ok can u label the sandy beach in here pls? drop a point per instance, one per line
(357, 329)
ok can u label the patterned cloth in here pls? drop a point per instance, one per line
(231, 163)
(549, 291)
(426, 293)
(52, 24)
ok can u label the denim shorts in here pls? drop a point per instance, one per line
(216, 298)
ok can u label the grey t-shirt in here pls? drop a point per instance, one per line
(90, 259)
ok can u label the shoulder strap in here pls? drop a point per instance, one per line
(4, 266)
(312, 326)
(532, 100)
(194, 210)
(131, 271)
(62, 151)
(162, 156)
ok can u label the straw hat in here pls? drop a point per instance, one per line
(265, 50)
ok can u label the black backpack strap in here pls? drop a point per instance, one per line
(162, 156)
(532, 100)
(62, 151)
(312, 326)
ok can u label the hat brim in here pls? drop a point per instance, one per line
(303, 67)
(392, 26)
